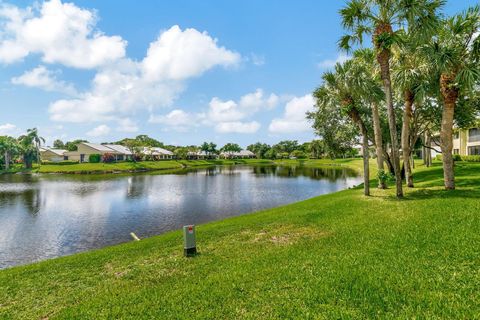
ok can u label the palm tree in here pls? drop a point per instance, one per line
(378, 18)
(369, 75)
(30, 145)
(456, 54)
(343, 88)
(410, 74)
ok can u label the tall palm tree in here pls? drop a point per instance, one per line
(411, 70)
(344, 89)
(456, 53)
(368, 74)
(378, 18)
(30, 144)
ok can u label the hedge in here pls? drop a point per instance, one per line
(61, 163)
(94, 158)
(457, 157)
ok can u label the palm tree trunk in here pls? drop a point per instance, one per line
(384, 61)
(450, 96)
(355, 116)
(447, 145)
(377, 130)
(366, 164)
(407, 118)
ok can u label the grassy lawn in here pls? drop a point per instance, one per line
(139, 166)
(109, 167)
(336, 256)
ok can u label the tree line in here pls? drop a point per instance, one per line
(419, 77)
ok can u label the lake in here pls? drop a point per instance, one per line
(46, 216)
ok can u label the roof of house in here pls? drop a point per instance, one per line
(119, 148)
(155, 151)
(242, 153)
(246, 153)
(99, 147)
(59, 152)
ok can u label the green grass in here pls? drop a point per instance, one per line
(109, 167)
(18, 168)
(139, 166)
(336, 256)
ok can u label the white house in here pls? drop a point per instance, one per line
(157, 153)
(85, 150)
(53, 155)
(244, 154)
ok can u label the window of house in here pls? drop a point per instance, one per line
(474, 151)
(456, 135)
(474, 135)
(456, 151)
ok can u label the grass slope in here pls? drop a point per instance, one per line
(336, 256)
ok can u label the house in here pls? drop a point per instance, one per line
(243, 154)
(156, 153)
(85, 150)
(122, 152)
(52, 155)
(465, 143)
(201, 155)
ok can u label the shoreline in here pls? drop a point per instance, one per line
(336, 247)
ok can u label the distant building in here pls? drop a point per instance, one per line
(52, 155)
(201, 155)
(157, 153)
(244, 154)
(465, 142)
(85, 150)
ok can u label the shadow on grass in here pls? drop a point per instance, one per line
(422, 194)
(466, 175)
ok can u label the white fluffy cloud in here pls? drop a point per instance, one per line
(225, 116)
(330, 63)
(41, 77)
(294, 118)
(224, 111)
(257, 100)
(7, 129)
(248, 105)
(101, 130)
(179, 55)
(127, 125)
(237, 127)
(156, 81)
(178, 120)
(60, 32)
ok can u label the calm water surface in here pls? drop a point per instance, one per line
(46, 216)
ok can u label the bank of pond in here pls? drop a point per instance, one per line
(49, 215)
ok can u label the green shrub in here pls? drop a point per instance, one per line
(94, 158)
(471, 158)
(457, 157)
(61, 163)
(439, 157)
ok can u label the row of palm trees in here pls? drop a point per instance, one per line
(26, 146)
(421, 68)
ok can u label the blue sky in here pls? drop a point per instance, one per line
(183, 71)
